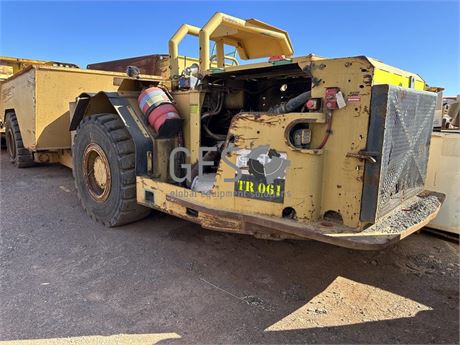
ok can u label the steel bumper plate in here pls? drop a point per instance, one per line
(405, 219)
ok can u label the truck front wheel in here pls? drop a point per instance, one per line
(103, 169)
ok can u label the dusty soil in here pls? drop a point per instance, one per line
(163, 279)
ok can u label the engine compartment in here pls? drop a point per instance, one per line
(263, 90)
(272, 90)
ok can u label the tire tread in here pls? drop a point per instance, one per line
(128, 210)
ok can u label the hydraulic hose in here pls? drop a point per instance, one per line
(291, 105)
(220, 102)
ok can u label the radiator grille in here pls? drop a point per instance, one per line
(400, 129)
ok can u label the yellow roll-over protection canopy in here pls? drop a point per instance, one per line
(252, 39)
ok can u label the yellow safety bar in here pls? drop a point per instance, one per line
(184, 30)
(252, 39)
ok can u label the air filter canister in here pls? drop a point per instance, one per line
(160, 112)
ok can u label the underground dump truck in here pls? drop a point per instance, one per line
(10, 66)
(296, 147)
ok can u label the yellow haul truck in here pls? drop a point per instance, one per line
(10, 66)
(297, 147)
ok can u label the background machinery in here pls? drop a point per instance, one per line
(444, 164)
(10, 66)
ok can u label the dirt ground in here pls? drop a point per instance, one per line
(165, 280)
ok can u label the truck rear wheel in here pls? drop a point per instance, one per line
(103, 169)
(19, 156)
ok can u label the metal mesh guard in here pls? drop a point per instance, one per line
(405, 149)
(399, 134)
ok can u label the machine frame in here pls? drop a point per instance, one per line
(324, 182)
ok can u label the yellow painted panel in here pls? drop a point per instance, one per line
(342, 177)
(18, 93)
(386, 74)
(386, 77)
(56, 88)
(188, 103)
(303, 176)
(443, 176)
(40, 96)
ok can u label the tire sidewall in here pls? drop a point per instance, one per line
(11, 130)
(12, 151)
(92, 131)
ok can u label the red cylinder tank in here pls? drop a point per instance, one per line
(160, 112)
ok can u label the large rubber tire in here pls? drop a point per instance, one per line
(19, 156)
(108, 132)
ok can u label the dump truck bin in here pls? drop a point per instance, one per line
(40, 96)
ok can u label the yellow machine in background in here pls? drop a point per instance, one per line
(10, 66)
(444, 177)
(37, 100)
(297, 147)
(444, 164)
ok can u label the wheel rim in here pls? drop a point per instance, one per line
(96, 171)
(10, 143)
